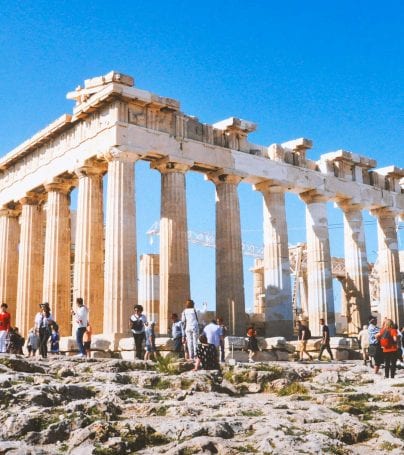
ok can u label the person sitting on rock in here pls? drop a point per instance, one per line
(206, 355)
(252, 344)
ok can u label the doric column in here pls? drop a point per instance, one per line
(258, 287)
(356, 268)
(319, 272)
(149, 287)
(120, 282)
(56, 279)
(388, 267)
(278, 297)
(174, 261)
(30, 264)
(230, 304)
(9, 238)
(89, 243)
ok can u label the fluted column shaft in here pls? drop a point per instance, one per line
(9, 238)
(388, 267)
(278, 296)
(30, 264)
(174, 260)
(89, 244)
(356, 268)
(149, 287)
(319, 272)
(258, 286)
(120, 282)
(230, 304)
(56, 279)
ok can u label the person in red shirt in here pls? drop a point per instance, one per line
(388, 341)
(4, 326)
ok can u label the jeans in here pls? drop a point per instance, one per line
(323, 347)
(44, 335)
(79, 339)
(390, 359)
(139, 337)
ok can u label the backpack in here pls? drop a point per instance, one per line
(137, 325)
(307, 334)
(386, 340)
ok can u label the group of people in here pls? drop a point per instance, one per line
(382, 346)
(44, 333)
(204, 346)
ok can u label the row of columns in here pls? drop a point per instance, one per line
(112, 279)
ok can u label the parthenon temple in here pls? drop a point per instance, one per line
(112, 127)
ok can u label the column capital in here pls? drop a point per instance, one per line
(32, 198)
(116, 154)
(383, 212)
(59, 185)
(268, 186)
(312, 197)
(89, 169)
(221, 176)
(11, 213)
(169, 164)
(347, 205)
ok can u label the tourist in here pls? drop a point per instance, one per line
(54, 340)
(212, 332)
(400, 332)
(138, 321)
(5, 319)
(325, 340)
(87, 340)
(252, 344)
(375, 351)
(388, 341)
(206, 355)
(363, 337)
(43, 322)
(150, 341)
(32, 342)
(222, 332)
(176, 335)
(15, 341)
(81, 319)
(190, 327)
(303, 336)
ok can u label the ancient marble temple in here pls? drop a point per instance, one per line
(112, 127)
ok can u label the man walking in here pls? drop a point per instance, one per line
(325, 340)
(303, 336)
(81, 318)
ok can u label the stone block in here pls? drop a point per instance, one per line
(164, 344)
(126, 344)
(274, 342)
(282, 355)
(238, 343)
(238, 356)
(67, 344)
(99, 343)
(339, 342)
(100, 355)
(128, 355)
(340, 354)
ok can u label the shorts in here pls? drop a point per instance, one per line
(150, 348)
(87, 345)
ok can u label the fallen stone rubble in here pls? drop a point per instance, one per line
(112, 406)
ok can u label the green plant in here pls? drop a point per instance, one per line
(248, 448)
(167, 364)
(293, 389)
(388, 446)
(252, 413)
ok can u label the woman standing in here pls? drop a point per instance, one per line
(190, 327)
(43, 323)
(137, 326)
(388, 341)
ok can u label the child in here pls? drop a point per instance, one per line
(150, 341)
(54, 341)
(33, 342)
(87, 340)
(252, 344)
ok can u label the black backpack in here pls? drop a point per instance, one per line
(137, 324)
(307, 334)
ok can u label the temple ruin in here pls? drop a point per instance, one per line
(114, 125)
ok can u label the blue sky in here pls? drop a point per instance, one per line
(328, 71)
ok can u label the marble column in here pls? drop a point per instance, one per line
(149, 287)
(89, 243)
(30, 263)
(174, 260)
(258, 287)
(57, 273)
(388, 267)
(356, 268)
(319, 272)
(120, 274)
(230, 304)
(278, 295)
(9, 238)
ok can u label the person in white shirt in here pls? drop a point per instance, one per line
(81, 319)
(190, 331)
(137, 325)
(212, 332)
(363, 337)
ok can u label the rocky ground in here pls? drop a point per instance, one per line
(74, 406)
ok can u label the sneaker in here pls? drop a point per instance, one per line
(79, 356)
